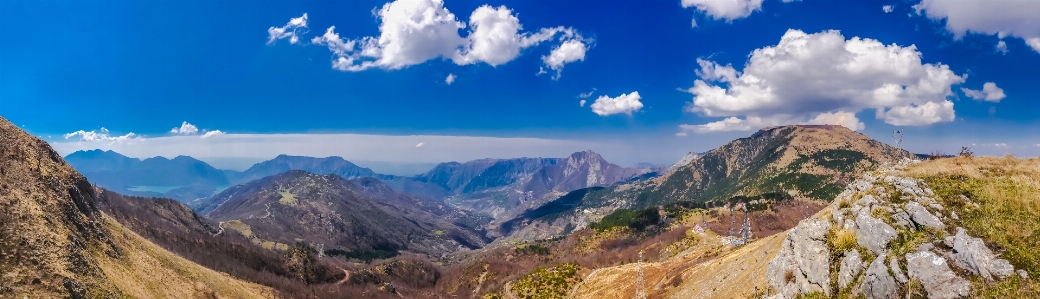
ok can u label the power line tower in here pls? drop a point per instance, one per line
(732, 219)
(321, 250)
(640, 287)
(745, 230)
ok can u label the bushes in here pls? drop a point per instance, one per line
(637, 220)
(548, 282)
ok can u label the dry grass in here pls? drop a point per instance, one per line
(1003, 207)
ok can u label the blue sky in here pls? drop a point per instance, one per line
(149, 66)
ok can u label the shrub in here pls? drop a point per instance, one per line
(637, 219)
(841, 240)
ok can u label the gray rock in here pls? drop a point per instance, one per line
(805, 256)
(925, 247)
(949, 241)
(922, 217)
(873, 233)
(901, 218)
(877, 284)
(935, 275)
(893, 263)
(953, 214)
(1023, 274)
(972, 254)
(851, 264)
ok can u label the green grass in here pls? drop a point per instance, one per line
(287, 198)
(635, 219)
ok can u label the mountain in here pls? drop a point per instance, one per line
(282, 163)
(686, 159)
(502, 188)
(55, 242)
(360, 217)
(183, 178)
(799, 162)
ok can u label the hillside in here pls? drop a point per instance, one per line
(183, 178)
(356, 218)
(57, 243)
(781, 163)
(950, 228)
(282, 163)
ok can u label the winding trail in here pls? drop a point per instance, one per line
(268, 210)
(574, 291)
(221, 226)
(345, 278)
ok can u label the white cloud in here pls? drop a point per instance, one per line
(918, 115)
(625, 103)
(1002, 47)
(887, 8)
(290, 30)
(582, 103)
(823, 77)
(846, 119)
(420, 144)
(570, 51)
(990, 93)
(1003, 18)
(586, 95)
(1000, 145)
(681, 134)
(213, 133)
(416, 31)
(728, 10)
(450, 79)
(101, 135)
(185, 129)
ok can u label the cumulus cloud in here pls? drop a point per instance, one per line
(570, 51)
(1002, 47)
(100, 135)
(213, 133)
(625, 103)
(728, 10)
(290, 30)
(823, 78)
(582, 103)
(450, 79)
(990, 93)
(420, 144)
(416, 31)
(887, 8)
(185, 129)
(1003, 18)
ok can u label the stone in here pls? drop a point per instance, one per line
(953, 214)
(1023, 274)
(851, 264)
(901, 218)
(893, 263)
(922, 217)
(936, 276)
(804, 257)
(949, 241)
(972, 254)
(877, 284)
(872, 233)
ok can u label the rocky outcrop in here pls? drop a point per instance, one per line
(877, 284)
(935, 274)
(971, 254)
(802, 265)
(880, 208)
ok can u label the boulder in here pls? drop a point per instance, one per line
(972, 254)
(851, 264)
(872, 233)
(901, 218)
(922, 217)
(936, 276)
(802, 264)
(877, 284)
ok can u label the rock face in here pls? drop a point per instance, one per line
(851, 264)
(802, 265)
(971, 254)
(877, 284)
(873, 233)
(893, 264)
(934, 273)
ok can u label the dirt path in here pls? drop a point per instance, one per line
(345, 277)
(508, 290)
(221, 226)
(268, 210)
(574, 291)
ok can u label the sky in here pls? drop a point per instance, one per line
(416, 82)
